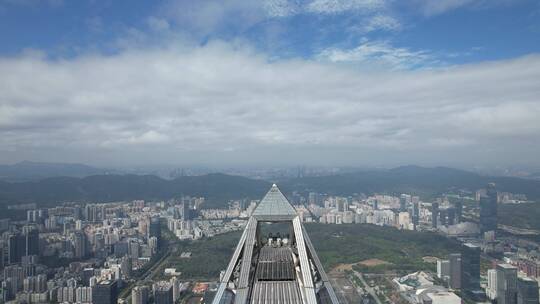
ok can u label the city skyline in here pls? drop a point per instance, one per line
(269, 151)
(227, 83)
(181, 249)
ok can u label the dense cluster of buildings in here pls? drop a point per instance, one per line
(86, 253)
(403, 212)
(81, 253)
(160, 292)
(421, 288)
(505, 284)
(460, 274)
(181, 220)
(476, 227)
(510, 280)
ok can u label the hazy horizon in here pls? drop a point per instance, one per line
(174, 170)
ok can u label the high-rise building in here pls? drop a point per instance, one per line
(451, 216)
(506, 284)
(403, 220)
(345, 205)
(87, 273)
(527, 291)
(142, 226)
(459, 211)
(153, 243)
(126, 265)
(434, 214)
(313, 198)
(16, 274)
(105, 292)
(443, 269)
(186, 212)
(270, 270)
(154, 229)
(36, 216)
(3, 254)
(4, 224)
(470, 268)
(80, 244)
(491, 290)
(93, 213)
(163, 292)
(67, 294)
(403, 203)
(16, 248)
(139, 294)
(23, 244)
(176, 289)
(415, 214)
(83, 294)
(442, 216)
(342, 205)
(121, 248)
(488, 210)
(455, 270)
(35, 283)
(134, 250)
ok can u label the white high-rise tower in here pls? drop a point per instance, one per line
(275, 268)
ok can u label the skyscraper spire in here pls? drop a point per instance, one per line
(275, 269)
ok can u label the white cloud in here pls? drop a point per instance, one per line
(380, 22)
(284, 8)
(33, 3)
(380, 53)
(147, 138)
(205, 17)
(431, 7)
(281, 8)
(158, 24)
(168, 103)
(338, 6)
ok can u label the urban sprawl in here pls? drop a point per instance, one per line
(111, 252)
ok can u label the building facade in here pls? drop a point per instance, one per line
(506, 284)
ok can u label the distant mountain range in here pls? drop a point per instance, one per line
(413, 179)
(535, 175)
(218, 188)
(27, 170)
(109, 188)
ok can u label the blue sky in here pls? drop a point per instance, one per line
(453, 31)
(274, 82)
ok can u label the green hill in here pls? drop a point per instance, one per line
(422, 181)
(27, 170)
(217, 188)
(335, 244)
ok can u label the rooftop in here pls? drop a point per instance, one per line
(444, 297)
(507, 266)
(274, 204)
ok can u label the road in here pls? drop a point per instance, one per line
(367, 287)
(150, 273)
(518, 231)
(344, 288)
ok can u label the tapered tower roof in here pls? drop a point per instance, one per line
(271, 270)
(274, 206)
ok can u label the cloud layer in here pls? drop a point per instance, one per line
(381, 53)
(224, 103)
